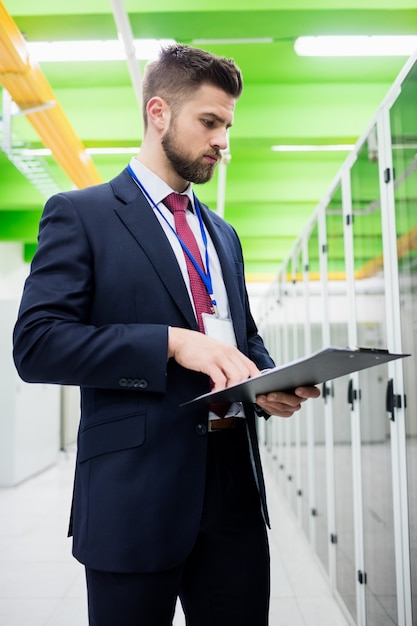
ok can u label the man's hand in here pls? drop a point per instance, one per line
(286, 404)
(227, 366)
(222, 362)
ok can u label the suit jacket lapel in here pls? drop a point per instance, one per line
(227, 262)
(139, 219)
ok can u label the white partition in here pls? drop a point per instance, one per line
(29, 414)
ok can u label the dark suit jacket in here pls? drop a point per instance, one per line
(103, 289)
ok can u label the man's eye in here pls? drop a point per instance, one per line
(207, 123)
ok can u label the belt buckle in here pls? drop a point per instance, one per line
(225, 423)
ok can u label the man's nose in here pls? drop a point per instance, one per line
(220, 139)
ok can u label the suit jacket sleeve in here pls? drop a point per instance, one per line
(55, 337)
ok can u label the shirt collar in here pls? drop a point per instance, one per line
(157, 188)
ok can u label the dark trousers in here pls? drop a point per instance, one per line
(224, 580)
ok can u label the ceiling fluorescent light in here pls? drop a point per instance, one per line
(93, 50)
(356, 45)
(226, 40)
(346, 147)
(92, 151)
(98, 151)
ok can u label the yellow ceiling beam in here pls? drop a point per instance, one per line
(29, 88)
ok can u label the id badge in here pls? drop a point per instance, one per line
(219, 328)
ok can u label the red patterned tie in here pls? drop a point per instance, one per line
(202, 301)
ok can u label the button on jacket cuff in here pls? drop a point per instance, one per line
(135, 383)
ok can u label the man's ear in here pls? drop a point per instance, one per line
(158, 112)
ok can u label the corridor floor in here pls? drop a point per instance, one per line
(42, 585)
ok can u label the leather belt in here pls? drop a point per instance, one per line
(223, 424)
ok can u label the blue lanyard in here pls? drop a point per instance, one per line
(205, 277)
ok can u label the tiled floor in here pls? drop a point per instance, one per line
(42, 585)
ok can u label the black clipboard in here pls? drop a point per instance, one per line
(321, 366)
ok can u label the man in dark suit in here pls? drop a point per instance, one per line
(169, 499)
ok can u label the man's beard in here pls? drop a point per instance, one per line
(194, 171)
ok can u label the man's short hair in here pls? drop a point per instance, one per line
(181, 70)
